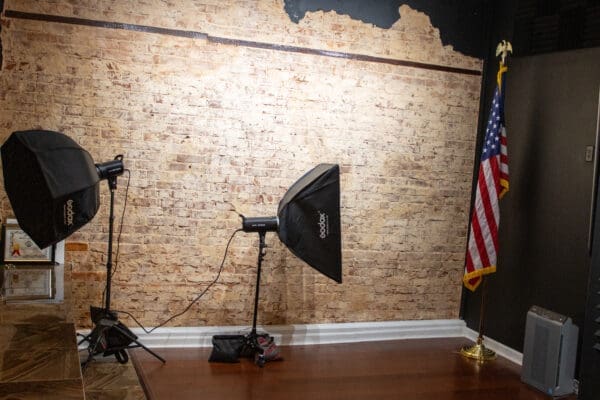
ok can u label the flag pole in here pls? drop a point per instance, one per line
(478, 351)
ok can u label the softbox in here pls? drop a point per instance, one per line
(309, 220)
(52, 184)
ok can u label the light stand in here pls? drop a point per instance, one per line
(53, 186)
(109, 336)
(308, 223)
(252, 347)
(261, 225)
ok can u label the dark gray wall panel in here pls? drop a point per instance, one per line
(551, 107)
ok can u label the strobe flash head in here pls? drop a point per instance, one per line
(110, 169)
(260, 224)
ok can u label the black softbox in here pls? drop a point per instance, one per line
(309, 220)
(52, 184)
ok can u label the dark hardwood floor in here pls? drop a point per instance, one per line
(429, 369)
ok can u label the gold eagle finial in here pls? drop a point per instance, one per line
(503, 48)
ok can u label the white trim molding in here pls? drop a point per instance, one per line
(309, 334)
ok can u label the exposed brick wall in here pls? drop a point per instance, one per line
(204, 125)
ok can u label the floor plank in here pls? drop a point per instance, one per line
(429, 369)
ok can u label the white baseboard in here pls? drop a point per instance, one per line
(309, 334)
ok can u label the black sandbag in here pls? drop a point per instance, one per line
(226, 348)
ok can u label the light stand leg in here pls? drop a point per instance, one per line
(138, 343)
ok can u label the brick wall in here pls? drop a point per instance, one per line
(204, 123)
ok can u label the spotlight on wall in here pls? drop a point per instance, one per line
(53, 187)
(308, 223)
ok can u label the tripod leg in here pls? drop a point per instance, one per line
(150, 351)
(92, 346)
(86, 338)
(134, 339)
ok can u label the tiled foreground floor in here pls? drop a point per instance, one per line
(39, 361)
(106, 379)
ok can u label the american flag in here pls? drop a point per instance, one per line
(492, 184)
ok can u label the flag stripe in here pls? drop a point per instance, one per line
(473, 255)
(490, 189)
(480, 242)
(485, 221)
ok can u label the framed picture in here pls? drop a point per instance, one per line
(28, 283)
(18, 248)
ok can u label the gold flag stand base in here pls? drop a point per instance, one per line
(479, 352)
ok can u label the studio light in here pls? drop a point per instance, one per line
(52, 184)
(308, 220)
(53, 187)
(308, 223)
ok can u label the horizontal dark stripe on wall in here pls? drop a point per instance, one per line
(233, 42)
(103, 24)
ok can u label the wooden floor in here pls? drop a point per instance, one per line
(428, 369)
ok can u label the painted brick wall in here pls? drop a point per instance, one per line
(205, 125)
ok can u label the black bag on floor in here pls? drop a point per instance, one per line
(226, 348)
